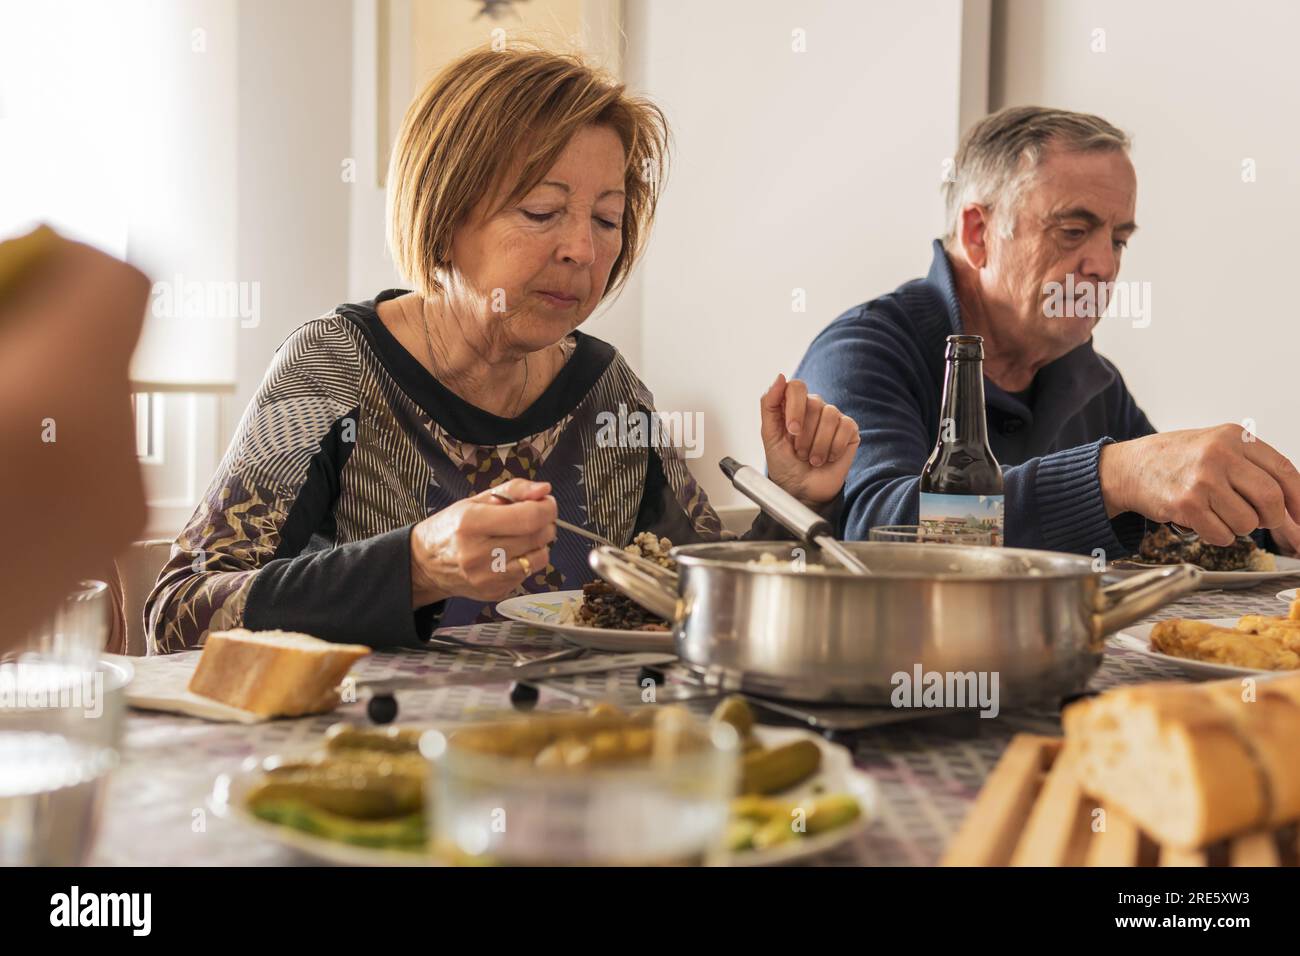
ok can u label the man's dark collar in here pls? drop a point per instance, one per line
(1064, 385)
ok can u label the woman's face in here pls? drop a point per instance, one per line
(537, 268)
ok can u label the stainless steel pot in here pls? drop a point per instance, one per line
(1036, 619)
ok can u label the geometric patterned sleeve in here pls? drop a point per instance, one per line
(279, 465)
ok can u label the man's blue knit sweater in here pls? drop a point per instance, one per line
(883, 364)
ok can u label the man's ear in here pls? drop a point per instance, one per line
(972, 234)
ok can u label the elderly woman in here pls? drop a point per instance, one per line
(356, 501)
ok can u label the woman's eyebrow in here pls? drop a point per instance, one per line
(568, 189)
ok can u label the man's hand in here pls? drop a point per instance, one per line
(1287, 537)
(1220, 482)
(809, 444)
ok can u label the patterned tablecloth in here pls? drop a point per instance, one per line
(928, 771)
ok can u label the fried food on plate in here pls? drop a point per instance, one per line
(1258, 641)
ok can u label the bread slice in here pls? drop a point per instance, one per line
(1192, 764)
(273, 673)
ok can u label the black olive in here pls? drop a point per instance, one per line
(382, 708)
(524, 696)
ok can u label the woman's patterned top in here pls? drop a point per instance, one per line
(349, 442)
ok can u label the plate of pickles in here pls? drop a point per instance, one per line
(650, 785)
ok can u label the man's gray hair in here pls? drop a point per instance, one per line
(999, 155)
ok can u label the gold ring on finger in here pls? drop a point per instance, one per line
(526, 565)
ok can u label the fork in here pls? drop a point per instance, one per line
(659, 571)
(518, 658)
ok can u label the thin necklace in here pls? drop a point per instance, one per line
(428, 341)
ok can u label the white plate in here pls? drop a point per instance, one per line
(553, 609)
(837, 775)
(1138, 638)
(229, 801)
(1231, 580)
(1288, 595)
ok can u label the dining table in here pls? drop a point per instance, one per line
(927, 769)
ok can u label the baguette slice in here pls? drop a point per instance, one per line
(1192, 764)
(273, 673)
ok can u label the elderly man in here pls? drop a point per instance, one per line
(1042, 200)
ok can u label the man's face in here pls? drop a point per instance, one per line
(1074, 219)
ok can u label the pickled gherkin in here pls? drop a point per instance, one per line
(365, 790)
(769, 771)
(735, 711)
(343, 738)
(831, 811)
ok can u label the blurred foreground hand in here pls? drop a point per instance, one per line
(70, 490)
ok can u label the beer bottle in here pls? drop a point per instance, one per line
(961, 484)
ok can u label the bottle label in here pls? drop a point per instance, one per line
(950, 517)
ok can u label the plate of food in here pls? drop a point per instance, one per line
(600, 616)
(559, 611)
(1242, 564)
(356, 799)
(1222, 647)
(359, 798)
(831, 805)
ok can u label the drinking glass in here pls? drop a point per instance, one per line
(61, 713)
(77, 629)
(667, 809)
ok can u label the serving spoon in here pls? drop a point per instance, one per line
(797, 517)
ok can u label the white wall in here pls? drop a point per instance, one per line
(295, 80)
(1201, 86)
(370, 269)
(817, 171)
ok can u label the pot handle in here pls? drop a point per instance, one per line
(1134, 598)
(625, 573)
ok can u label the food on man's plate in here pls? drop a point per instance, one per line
(1192, 764)
(367, 787)
(273, 673)
(604, 605)
(1164, 545)
(1265, 643)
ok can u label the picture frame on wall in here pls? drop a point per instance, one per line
(417, 38)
